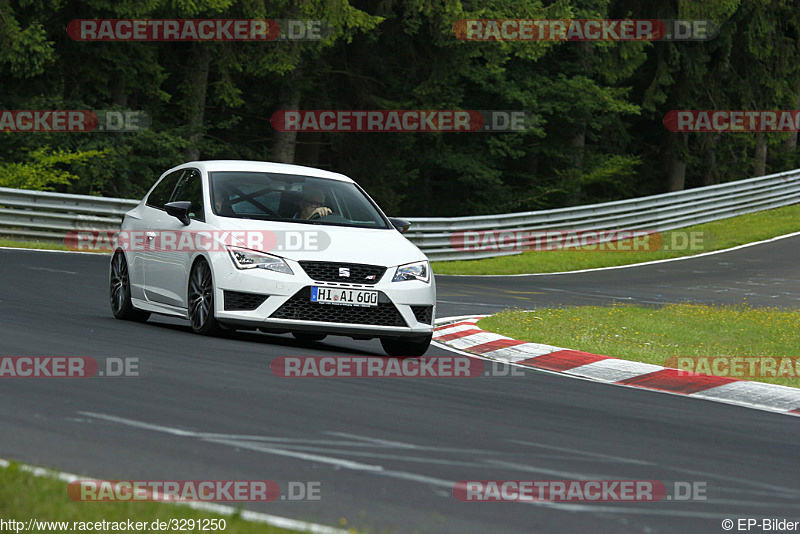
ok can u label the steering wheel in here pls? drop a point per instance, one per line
(315, 216)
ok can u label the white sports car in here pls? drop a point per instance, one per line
(280, 248)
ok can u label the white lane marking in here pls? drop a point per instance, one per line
(397, 457)
(403, 445)
(283, 522)
(49, 270)
(467, 303)
(432, 481)
(583, 453)
(566, 475)
(237, 443)
(423, 479)
(139, 424)
(376, 441)
(746, 481)
(587, 476)
(337, 462)
(247, 515)
(297, 442)
(57, 251)
(746, 245)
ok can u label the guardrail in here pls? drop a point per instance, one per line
(662, 212)
(47, 216)
(50, 216)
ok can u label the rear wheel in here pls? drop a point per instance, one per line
(406, 347)
(120, 291)
(201, 300)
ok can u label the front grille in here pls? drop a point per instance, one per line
(325, 271)
(300, 307)
(235, 301)
(424, 314)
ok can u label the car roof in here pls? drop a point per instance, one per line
(262, 166)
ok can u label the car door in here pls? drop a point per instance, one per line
(168, 264)
(138, 240)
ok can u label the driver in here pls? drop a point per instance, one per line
(312, 204)
(222, 205)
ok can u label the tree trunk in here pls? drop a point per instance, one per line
(578, 143)
(197, 88)
(760, 164)
(578, 140)
(118, 94)
(675, 164)
(285, 144)
(791, 142)
(710, 174)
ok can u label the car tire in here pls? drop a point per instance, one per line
(120, 290)
(406, 347)
(304, 337)
(201, 300)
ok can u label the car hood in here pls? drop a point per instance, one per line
(314, 242)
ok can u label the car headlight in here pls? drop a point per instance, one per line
(250, 259)
(419, 270)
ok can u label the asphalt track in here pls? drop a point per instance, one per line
(387, 452)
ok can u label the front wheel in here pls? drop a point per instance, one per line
(120, 291)
(406, 347)
(201, 300)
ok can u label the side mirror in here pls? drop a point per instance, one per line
(401, 224)
(180, 210)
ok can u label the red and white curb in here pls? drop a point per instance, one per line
(463, 334)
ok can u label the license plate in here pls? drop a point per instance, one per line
(344, 297)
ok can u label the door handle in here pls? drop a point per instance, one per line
(151, 235)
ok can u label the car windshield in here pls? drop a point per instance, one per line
(294, 198)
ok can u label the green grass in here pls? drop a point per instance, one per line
(43, 245)
(654, 335)
(24, 496)
(715, 235)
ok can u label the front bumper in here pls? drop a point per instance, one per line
(406, 309)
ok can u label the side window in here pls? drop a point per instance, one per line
(163, 191)
(191, 188)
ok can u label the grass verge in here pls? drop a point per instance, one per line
(687, 241)
(719, 334)
(43, 245)
(24, 496)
